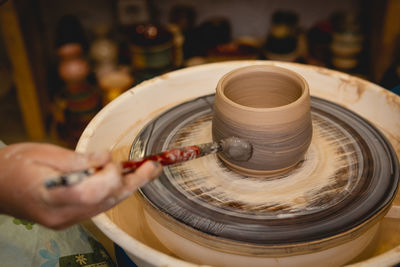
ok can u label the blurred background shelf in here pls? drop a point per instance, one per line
(49, 91)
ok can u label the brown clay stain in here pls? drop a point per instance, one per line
(120, 153)
(392, 100)
(361, 89)
(354, 82)
(347, 80)
(321, 70)
(164, 76)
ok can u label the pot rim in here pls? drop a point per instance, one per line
(305, 94)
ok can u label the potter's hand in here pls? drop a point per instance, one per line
(24, 168)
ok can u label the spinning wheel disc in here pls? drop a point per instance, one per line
(349, 174)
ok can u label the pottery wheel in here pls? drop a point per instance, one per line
(347, 176)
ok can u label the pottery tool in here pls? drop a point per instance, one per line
(232, 147)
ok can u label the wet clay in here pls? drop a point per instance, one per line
(270, 107)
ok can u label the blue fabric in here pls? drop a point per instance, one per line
(23, 243)
(122, 258)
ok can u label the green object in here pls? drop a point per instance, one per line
(28, 224)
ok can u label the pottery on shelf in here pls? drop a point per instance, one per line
(270, 107)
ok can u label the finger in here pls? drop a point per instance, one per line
(76, 214)
(146, 173)
(63, 217)
(107, 185)
(101, 185)
(66, 160)
(89, 192)
(94, 203)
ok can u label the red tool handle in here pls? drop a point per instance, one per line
(172, 156)
(165, 158)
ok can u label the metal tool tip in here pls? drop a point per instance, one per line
(237, 148)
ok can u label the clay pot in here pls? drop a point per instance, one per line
(270, 107)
